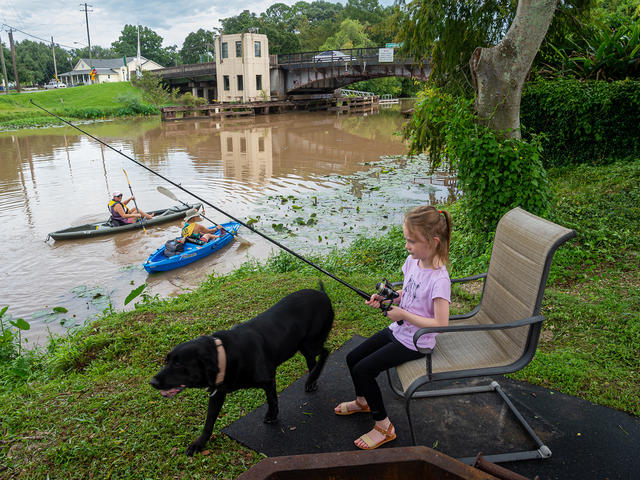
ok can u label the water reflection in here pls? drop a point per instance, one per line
(54, 178)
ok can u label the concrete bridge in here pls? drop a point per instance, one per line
(305, 73)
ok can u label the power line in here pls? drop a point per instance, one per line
(35, 36)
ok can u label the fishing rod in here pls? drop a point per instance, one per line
(177, 185)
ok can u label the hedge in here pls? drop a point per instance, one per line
(583, 121)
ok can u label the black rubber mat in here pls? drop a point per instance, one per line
(587, 441)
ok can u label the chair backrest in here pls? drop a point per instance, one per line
(523, 248)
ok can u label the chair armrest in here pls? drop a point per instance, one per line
(469, 279)
(475, 328)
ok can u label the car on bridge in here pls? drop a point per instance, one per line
(332, 56)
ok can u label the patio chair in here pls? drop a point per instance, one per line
(501, 334)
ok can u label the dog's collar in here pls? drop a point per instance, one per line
(222, 364)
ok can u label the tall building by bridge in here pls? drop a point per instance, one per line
(242, 67)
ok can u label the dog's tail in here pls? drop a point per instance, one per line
(321, 286)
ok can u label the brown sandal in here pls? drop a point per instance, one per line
(344, 410)
(371, 444)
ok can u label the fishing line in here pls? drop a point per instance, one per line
(177, 185)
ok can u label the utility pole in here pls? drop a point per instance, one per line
(86, 16)
(55, 67)
(5, 80)
(13, 57)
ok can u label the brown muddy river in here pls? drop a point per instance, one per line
(313, 181)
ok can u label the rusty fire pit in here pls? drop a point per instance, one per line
(404, 463)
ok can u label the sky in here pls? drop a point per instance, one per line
(65, 20)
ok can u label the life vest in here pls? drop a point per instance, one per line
(115, 216)
(187, 231)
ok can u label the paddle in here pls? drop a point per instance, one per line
(169, 193)
(134, 200)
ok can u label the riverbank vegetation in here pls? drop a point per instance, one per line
(83, 406)
(84, 102)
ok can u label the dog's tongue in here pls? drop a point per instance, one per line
(171, 392)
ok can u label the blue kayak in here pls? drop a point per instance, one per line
(158, 262)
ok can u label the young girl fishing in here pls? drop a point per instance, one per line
(422, 302)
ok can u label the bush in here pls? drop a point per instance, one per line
(583, 121)
(494, 173)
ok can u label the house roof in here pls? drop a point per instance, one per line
(110, 62)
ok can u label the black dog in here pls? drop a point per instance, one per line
(247, 355)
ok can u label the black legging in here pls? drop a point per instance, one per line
(376, 354)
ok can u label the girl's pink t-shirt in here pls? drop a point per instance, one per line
(421, 286)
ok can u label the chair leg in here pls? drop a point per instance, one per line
(407, 408)
(542, 452)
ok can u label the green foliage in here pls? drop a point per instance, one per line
(150, 45)
(448, 31)
(154, 91)
(495, 173)
(606, 54)
(197, 45)
(188, 99)
(34, 61)
(380, 86)
(350, 35)
(583, 121)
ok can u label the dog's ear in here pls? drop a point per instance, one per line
(209, 359)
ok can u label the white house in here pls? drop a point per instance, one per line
(107, 70)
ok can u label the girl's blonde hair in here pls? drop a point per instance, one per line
(431, 222)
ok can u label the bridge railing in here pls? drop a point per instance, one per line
(327, 57)
(356, 93)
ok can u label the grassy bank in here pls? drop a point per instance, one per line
(85, 409)
(81, 102)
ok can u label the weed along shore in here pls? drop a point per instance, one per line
(82, 407)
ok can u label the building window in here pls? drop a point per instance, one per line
(225, 50)
(243, 145)
(261, 144)
(229, 144)
(257, 48)
(238, 49)
(240, 83)
(225, 81)
(258, 82)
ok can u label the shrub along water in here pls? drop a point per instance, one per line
(495, 173)
(84, 407)
(583, 121)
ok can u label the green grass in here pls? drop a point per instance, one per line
(81, 102)
(84, 408)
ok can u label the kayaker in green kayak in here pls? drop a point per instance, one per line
(121, 214)
(192, 229)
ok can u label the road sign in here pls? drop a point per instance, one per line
(385, 55)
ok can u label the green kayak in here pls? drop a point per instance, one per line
(105, 228)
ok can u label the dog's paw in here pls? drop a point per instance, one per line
(311, 387)
(270, 418)
(195, 447)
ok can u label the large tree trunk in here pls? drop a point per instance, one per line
(499, 72)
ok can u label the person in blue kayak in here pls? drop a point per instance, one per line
(121, 214)
(191, 229)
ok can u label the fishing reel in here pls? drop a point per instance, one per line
(385, 290)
